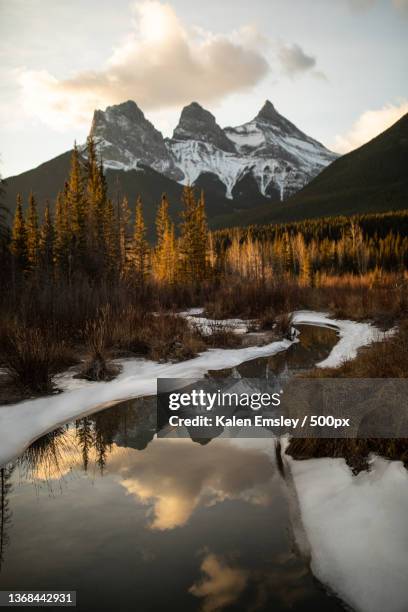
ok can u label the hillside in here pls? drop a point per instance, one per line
(373, 178)
(260, 162)
(46, 180)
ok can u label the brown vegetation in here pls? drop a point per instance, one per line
(355, 451)
(85, 281)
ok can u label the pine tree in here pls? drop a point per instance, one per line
(75, 205)
(111, 240)
(46, 242)
(32, 233)
(165, 256)
(61, 237)
(18, 244)
(97, 203)
(124, 218)
(194, 238)
(85, 437)
(141, 249)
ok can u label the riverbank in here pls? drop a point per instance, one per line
(22, 423)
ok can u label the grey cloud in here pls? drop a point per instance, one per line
(295, 61)
(401, 5)
(361, 5)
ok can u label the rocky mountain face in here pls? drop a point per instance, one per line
(125, 138)
(268, 155)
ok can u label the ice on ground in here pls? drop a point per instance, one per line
(352, 335)
(208, 327)
(22, 423)
(357, 530)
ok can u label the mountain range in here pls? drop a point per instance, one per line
(370, 179)
(269, 153)
(263, 171)
(263, 161)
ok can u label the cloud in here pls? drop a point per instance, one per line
(295, 61)
(222, 584)
(361, 5)
(368, 125)
(173, 478)
(364, 5)
(160, 64)
(401, 5)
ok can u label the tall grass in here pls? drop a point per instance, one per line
(31, 356)
(47, 326)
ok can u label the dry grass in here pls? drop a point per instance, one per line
(222, 336)
(31, 356)
(355, 451)
(113, 320)
(387, 358)
(132, 331)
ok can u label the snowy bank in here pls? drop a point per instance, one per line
(210, 326)
(352, 335)
(22, 423)
(357, 530)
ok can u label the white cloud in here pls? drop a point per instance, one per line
(368, 125)
(172, 479)
(160, 64)
(221, 585)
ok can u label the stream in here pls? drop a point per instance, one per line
(134, 522)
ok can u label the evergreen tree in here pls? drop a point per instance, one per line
(194, 237)
(18, 245)
(61, 237)
(85, 437)
(75, 207)
(124, 218)
(97, 204)
(46, 242)
(111, 242)
(141, 249)
(32, 233)
(165, 256)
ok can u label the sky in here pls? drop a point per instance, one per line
(338, 69)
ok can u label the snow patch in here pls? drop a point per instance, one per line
(22, 423)
(357, 530)
(353, 335)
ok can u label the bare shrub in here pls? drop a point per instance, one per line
(172, 339)
(31, 356)
(97, 334)
(267, 320)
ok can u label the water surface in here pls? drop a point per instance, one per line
(132, 522)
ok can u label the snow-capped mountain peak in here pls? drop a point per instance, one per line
(125, 139)
(269, 151)
(197, 123)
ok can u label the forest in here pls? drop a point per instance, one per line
(83, 284)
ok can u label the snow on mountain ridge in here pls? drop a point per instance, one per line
(280, 157)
